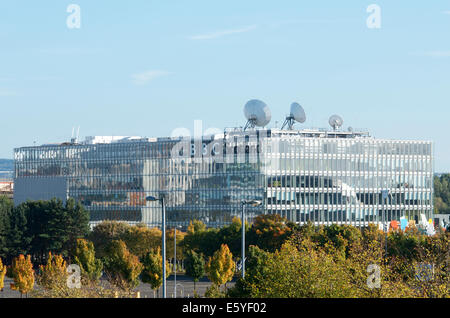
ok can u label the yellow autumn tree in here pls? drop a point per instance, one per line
(23, 274)
(220, 267)
(2, 275)
(54, 273)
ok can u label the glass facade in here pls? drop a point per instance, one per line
(324, 177)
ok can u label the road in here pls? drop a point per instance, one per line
(185, 288)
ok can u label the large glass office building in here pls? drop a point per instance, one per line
(304, 175)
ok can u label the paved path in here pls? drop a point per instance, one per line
(185, 288)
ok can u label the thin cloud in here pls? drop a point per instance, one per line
(7, 92)
(435, 54)
(446, 12)
(31, 78)
(67, 51)
(289, 22)
(44, 78)
(147, 76)
(218, 34)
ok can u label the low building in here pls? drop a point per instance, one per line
(7, 188)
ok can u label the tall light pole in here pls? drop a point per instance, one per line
(175, 260)
(384, 196)
(161, 199)
(253, 203)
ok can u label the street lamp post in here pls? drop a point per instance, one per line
(243, 241)
(253, 203)
(175, 260)
(161, 199)
(384, 197)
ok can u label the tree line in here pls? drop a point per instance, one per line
(346, 262)
(442, 194)
(40, 239)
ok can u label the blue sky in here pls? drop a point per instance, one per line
(147, 67)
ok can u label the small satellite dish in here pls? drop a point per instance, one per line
(336, 121)
(257, 113)
(297, 114)
(350, 129)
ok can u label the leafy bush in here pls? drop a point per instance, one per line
(54, 273)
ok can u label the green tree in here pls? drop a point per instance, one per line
(202, 241)
(231, 235)
(255, 267)
(39, 227)
(6, 207)
(339, 237)
(196, 226)
(18, 239)
(152, 273)
(434, 252)
(141, 239)
(84, 256)
(207, 241)
(77, 225)
(105, 232)
(296, 273)
(122, 267)
(195, 266)
(442, 194)
(270, 231)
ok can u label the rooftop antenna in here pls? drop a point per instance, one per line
(297, 114)
(78, 134)
(257, 114)
(336, 122)
(72, 140)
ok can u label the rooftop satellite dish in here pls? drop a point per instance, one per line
(335, 121)
(257, 113)
(350, 129)
(297, 114)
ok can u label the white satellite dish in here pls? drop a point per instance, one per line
(257, 113)
(297, 114)
(335, 121)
